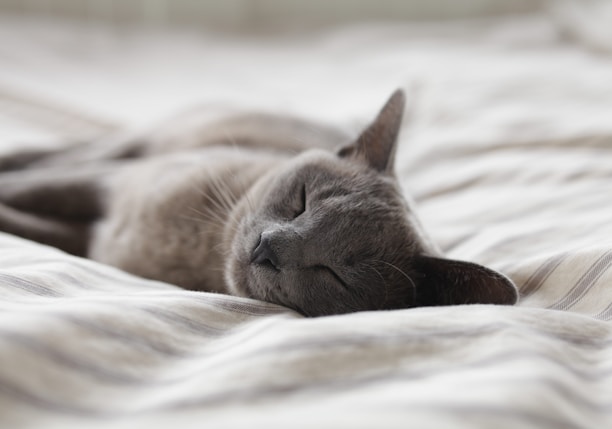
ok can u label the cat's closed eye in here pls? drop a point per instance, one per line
(301, 206)
(332, 275)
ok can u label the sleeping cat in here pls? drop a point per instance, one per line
(267, 207)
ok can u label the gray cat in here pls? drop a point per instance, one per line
(267, 207)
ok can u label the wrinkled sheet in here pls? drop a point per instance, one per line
(506, 148)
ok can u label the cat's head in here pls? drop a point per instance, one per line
(331, 233)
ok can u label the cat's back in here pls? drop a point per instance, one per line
(257, 131)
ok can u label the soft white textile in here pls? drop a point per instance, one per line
(507, 150)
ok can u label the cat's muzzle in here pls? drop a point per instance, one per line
(264, 254)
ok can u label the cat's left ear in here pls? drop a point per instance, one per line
(377, 143)
(452, 282)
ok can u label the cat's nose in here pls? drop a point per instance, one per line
(264, 254)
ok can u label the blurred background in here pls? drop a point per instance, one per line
(76, 68)
(262, 16)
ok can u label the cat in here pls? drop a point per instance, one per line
(254, 205)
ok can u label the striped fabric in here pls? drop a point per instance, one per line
(83, 345)
(508, 153)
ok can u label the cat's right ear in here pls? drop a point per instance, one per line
(452, 282)
(377, 143)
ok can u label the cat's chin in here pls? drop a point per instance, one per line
(247, 280)
(236, 282)
(259, 283)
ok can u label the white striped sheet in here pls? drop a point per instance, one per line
(497, 244)
(530, 274)
(55, 272)
(327, 411)
(605, 314)
(293, 328)
(518, 203)
(164, 399)
(121, 347)
(135, 377)
(536, 239)
(360, 363)
(152, 301)
(584, 291)
(456, 164)
(574, 270)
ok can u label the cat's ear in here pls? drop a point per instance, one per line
(377, 143)
(452, 282)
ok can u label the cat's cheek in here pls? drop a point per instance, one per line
(242, 277)
(235, 280)
(236, 271)
(237, 260)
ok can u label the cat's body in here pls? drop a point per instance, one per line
(267, 207)
(168, 211)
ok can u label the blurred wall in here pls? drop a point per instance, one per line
(263, 15)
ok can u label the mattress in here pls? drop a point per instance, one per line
(506, 149)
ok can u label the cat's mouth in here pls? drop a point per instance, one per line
(263, 284)
(260, 264)
(265, 275)
(261, 272)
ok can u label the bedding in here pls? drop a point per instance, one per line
(507, 150)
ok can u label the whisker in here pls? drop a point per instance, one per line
(208, 198)
(219, 195)
(242, 182)
(214, 187)
(228, 193)
(384, 282)
(216, 202)
(412, 283)
(219, 248)
(194, 219)
(245, 191)
(210, 216)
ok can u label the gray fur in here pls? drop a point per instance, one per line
(253, 205)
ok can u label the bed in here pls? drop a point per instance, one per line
(506, 148)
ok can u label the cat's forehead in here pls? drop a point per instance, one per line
(356, 202)
(365, 221)
(327, 171)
